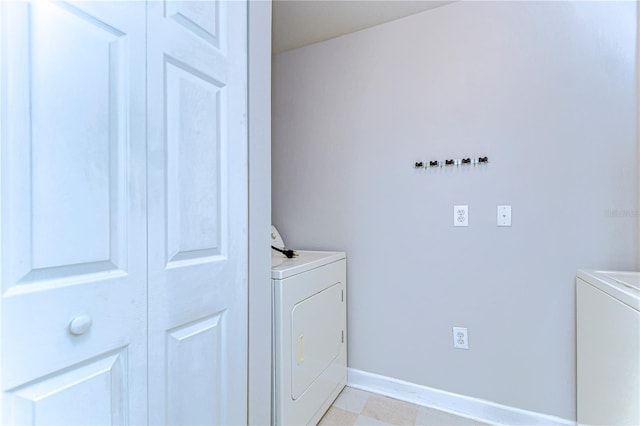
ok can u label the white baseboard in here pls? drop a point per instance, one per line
(474, 408)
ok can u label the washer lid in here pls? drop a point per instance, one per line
(624, 286)
(281, 267)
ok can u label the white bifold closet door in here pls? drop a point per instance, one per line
(123, 212)
(73, 212)
(197, 212)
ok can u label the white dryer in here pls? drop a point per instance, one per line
(608, 347)
(310, 340)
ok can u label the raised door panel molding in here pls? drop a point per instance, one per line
(193, 365)
(194, 147)
(89, 393)
(199, 17)
(68, 164)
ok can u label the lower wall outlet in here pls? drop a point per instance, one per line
(460, 338)
(461, 215)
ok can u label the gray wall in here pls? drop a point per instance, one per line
(548, 92)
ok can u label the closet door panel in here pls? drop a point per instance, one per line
(193, 109)
(72, 213)
(197, 159)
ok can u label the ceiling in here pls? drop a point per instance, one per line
(297, 23)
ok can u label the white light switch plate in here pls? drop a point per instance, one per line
(504, 216)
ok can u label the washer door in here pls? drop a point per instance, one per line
(316, 336)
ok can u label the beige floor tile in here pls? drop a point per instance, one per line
(432, 417)
(368, 421)
(338, 417)
(352, 400)
(390, 410)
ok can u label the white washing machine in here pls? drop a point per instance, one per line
(608, 347)
(310, 340)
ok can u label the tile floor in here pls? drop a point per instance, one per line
(357, 407)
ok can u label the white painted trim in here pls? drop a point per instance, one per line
(259, 120)
(474, 408)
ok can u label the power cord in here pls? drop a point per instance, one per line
(289, 253)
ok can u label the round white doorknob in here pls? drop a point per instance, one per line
(80, 325)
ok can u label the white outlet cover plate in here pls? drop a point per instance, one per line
(504, 216)
(461, 215)
(460, 338)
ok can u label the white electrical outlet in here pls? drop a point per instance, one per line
(460, 215)
(460, 338)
